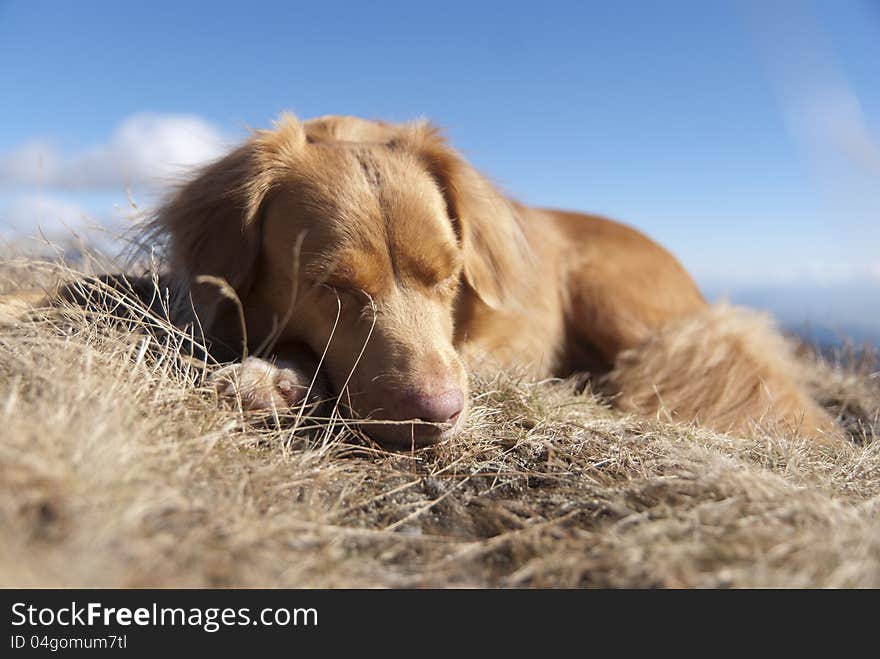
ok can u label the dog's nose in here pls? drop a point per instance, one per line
(433, 408)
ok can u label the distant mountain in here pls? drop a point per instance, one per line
(823, 313)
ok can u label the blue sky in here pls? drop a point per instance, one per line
(742, 135)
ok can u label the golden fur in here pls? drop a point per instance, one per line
(722, 366)
(378, 252)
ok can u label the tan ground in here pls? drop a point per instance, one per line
(117, 469)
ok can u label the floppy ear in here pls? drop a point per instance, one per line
(492, 241)
(212, 222)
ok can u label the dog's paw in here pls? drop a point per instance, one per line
(262, 385)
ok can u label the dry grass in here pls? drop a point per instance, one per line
(117, 468)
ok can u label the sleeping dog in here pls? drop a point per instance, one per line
(370, 261)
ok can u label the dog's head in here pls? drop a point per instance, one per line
(362, 240)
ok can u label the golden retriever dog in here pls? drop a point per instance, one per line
(369, 261)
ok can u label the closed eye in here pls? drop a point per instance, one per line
(341, 292)
(335, 289)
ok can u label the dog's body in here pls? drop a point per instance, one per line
(594, 288)
(378, 252)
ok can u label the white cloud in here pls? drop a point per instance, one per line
(33, 163)
(29, 213)
(98, 221)
(145, 150)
